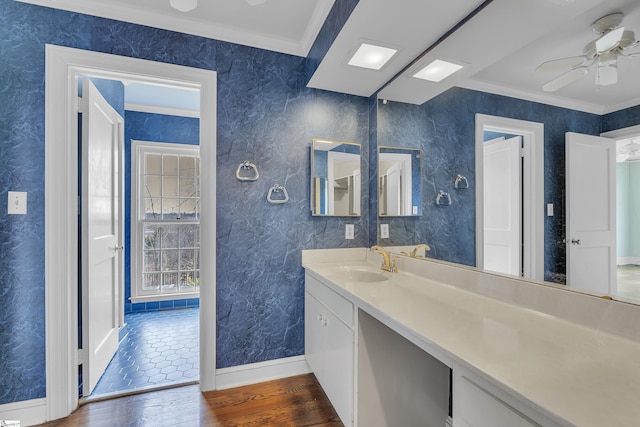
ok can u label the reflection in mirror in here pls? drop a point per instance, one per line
(399, 181)
(335, 178)
(441, 121)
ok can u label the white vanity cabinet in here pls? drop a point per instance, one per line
(329, 345)
(478, 404)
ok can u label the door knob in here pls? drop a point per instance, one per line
(575, 241)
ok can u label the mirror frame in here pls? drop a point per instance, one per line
(314, 142)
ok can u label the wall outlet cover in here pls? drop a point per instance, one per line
(384, 231)
(349, 231)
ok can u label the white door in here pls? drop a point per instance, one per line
(101, 212)
(394, 190)
(502, 206)
(357, 191)
(591, 213)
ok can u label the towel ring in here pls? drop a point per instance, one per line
(461, 182)
(277, 188)
(443, 198)
(247, 165)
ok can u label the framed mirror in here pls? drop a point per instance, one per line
(399, 181)
(336, 178)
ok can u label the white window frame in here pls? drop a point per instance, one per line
(138, 149)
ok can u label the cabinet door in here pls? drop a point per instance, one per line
(338, 366)
(314, 335)
(476, 407)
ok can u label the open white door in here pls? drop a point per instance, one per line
(591, 213)
(394, 190)
(102, 137)
(502, 206)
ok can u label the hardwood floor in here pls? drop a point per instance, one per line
(296, 402)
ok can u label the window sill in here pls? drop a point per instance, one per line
(165, 297)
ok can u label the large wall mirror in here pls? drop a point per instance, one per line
(336, 179)
(399, 181)
(442, 123)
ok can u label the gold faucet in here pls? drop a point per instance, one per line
(388, 264)
(414, 252)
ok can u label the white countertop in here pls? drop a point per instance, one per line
(571, 373)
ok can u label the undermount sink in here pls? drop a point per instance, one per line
(364, 274)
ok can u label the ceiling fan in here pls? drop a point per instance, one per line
(603, 53)
(629, 152)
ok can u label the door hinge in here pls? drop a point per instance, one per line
(80, 104)
(82, 354)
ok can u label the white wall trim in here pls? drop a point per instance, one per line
(155, 109)
(533, 197)
(254, 373)
(63, 65)
(28, 412)
(628, 132)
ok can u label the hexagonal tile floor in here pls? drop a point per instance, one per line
(161, 348)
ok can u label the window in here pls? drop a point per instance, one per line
(165, 226)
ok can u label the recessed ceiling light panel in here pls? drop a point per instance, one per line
(371, 56)
(437, 70)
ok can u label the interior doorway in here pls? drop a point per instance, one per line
(154, 322)
(526, 197)
(64, 65)
(627, 209)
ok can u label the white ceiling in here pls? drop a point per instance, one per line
(516, 72)
(501, 45)
(287, 26)
(505, 43)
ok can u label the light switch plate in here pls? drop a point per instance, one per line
(384, 231)
(415, 210)
(17, 203)
(549, 209)
(349, 231)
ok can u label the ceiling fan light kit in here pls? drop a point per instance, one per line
(183, 5)
(603, 53)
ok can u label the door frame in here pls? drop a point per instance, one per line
(63, 65)
(533, 189)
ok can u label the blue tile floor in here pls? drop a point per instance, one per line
(160, 348)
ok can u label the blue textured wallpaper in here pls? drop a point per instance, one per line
(621, 119)
(265, 115)
(154, 128)
(445, 129)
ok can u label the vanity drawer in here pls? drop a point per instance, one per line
(340, 306)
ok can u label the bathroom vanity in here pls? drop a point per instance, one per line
(393, 348)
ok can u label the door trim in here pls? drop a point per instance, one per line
(63, 65)
(533, 184)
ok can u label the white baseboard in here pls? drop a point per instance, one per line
(28, 412)
(628, 260)
(254, 373)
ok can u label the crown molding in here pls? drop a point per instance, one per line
(533, 97)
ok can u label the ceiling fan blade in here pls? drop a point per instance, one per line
(565, 79)
(609, 40)
(562, 64)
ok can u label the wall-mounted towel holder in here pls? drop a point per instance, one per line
(461, 182)
(247, 165)
(443, 198)
(277, 188)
